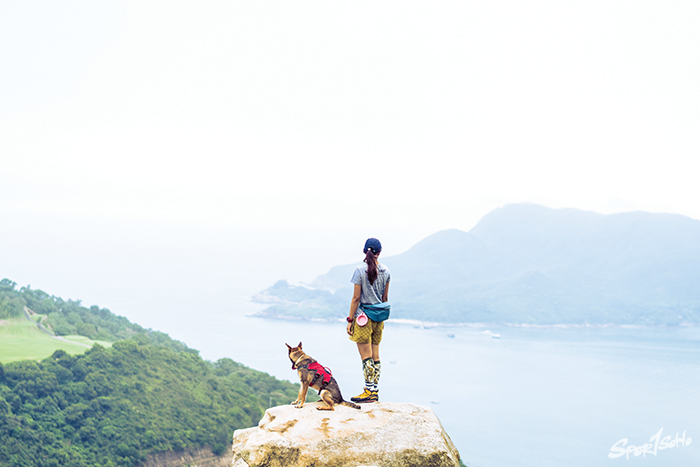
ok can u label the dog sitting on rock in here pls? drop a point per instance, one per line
(311, 373)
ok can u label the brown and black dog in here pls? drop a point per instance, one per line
(318, 378)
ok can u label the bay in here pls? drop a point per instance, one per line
(535, 397)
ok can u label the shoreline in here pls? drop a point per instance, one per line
(433, 324)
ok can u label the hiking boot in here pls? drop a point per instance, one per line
(366, 396)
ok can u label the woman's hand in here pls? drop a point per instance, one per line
(356, 295)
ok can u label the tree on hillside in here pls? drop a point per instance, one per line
(11, 303)
(113, 407)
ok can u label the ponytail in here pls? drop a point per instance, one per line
(371, 260)
(372, 249)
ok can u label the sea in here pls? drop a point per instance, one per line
(555, 396)
(533, 396)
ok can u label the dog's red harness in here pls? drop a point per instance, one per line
(321, 372)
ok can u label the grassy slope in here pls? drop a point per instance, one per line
(87, 341)
(20, 339)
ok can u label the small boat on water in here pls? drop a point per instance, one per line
(450, 335)
(489, 333)
(434, 402)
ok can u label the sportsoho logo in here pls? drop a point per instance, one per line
(656, 444)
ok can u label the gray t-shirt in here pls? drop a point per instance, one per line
(371, 293)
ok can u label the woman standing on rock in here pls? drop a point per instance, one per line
(371, 288)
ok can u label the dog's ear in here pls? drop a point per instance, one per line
(299, 345)
(289, 347)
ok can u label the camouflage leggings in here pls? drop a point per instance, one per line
(372, 370)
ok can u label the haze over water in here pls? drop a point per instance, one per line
(536, 397)
(169, 160)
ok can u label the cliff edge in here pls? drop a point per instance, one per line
(385, 434)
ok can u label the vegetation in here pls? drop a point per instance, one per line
(113, 407)
(69, 317)
(21, 339)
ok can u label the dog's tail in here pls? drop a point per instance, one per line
(351, 404)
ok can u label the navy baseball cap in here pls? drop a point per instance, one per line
(374, 245)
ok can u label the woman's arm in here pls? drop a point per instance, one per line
(385, 295)
(357, 293)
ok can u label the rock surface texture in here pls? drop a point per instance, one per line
(192, 458)
(383, 434)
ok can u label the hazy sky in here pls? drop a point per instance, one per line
(287, 132)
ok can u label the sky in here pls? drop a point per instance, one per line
(149, 145)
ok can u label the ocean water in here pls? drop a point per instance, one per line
(535, 397)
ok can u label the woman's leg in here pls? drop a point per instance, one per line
(377, 367)
(369, 353)
(368, 371)
(366, 351)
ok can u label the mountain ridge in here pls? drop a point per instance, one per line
(528, 264)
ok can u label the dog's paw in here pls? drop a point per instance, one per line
(299, 406)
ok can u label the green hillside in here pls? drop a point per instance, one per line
(72, 321)
(21, 339)
(67, 402)
(113, 407)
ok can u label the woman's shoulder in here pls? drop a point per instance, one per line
(358, 273)
(362, 267)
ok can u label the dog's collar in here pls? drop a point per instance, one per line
(294, 365)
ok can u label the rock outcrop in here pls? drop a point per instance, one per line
(383, 434)
(203, 457)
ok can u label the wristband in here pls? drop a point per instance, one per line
(349, 319)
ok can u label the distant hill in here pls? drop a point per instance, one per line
(530, 264)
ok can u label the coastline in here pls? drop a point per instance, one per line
(432, 324)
